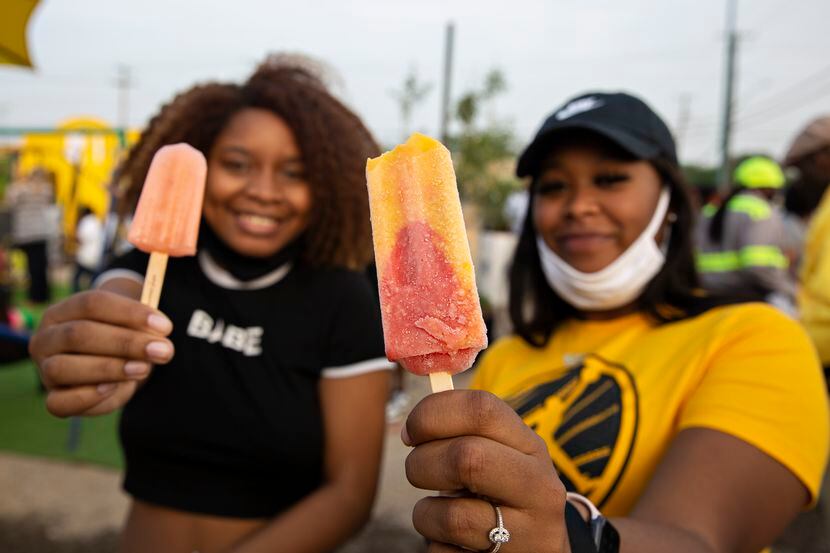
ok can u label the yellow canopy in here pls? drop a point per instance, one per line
(14, 18)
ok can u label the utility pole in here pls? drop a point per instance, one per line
(445, 97)
(724, 177)
(683, 116)
(123, 83)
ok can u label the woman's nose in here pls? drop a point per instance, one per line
(265, 187)
(582, 201)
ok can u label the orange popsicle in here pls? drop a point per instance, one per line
(166, 220)
(432, 322)
(167, 217)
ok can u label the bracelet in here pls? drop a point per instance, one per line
(603, 536)
(579, 532)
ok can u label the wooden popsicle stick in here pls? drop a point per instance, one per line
(154, 279)
(440, 382)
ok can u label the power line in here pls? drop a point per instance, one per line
(446, 89)
(806, 89)
(803, 90)
(684, 113)
(821, 93)
(724, 182)
(776, 8)
(124, 83)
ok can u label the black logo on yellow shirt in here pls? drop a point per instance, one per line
(588, 419)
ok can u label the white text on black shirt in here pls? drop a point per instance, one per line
(244, 340)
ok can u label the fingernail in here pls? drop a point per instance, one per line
(159, 323)
(136, 368)
(104, 389)
(405, 436)
(160, 351)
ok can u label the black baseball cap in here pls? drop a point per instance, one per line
(622, 118)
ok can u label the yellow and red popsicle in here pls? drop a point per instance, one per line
(432, 322)
(166, 220)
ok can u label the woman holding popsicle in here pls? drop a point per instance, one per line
(264, 430)
(675, 421)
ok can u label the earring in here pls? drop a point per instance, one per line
(671, 218)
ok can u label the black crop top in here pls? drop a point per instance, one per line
(232, 425)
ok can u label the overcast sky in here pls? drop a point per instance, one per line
(670, 52)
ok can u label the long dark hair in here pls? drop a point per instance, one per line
(536, 310)
(718, 219)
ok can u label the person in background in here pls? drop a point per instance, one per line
(253, 399)
(515, 209)
(809, 155)
(90, 238)
(808, 161)
(30, 200)
(630, 411)
(798, 208)
(741, 243)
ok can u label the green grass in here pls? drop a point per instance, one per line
(26, 427)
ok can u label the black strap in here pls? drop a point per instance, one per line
(579, 533)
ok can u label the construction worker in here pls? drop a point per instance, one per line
(740, 242)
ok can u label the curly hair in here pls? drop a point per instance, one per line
(334, 143)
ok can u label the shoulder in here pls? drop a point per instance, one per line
(747, 316)
(758, 341)
(752, 321)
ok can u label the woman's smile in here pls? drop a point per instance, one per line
(256, 224)
(586, 242)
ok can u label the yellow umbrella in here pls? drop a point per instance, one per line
(14, 18)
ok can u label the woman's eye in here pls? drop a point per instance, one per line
(293, 173)
(235, 165)
(550, 187)
(298, 175)
(610, 179)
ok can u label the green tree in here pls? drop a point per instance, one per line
(484, 154)
(700, 176)
(411, 93)
(5, 172)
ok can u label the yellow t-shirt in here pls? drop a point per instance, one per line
(608, 397)
(813, 294)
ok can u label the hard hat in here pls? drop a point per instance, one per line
(759, 172)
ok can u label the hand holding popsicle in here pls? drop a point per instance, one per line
(432, 322)
(167, 217)
(94, 348)
(473, 444)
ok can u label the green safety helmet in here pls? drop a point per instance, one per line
(759, 172)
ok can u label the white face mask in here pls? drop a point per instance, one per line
(619, 283)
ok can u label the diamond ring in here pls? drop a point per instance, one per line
(499, 534)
